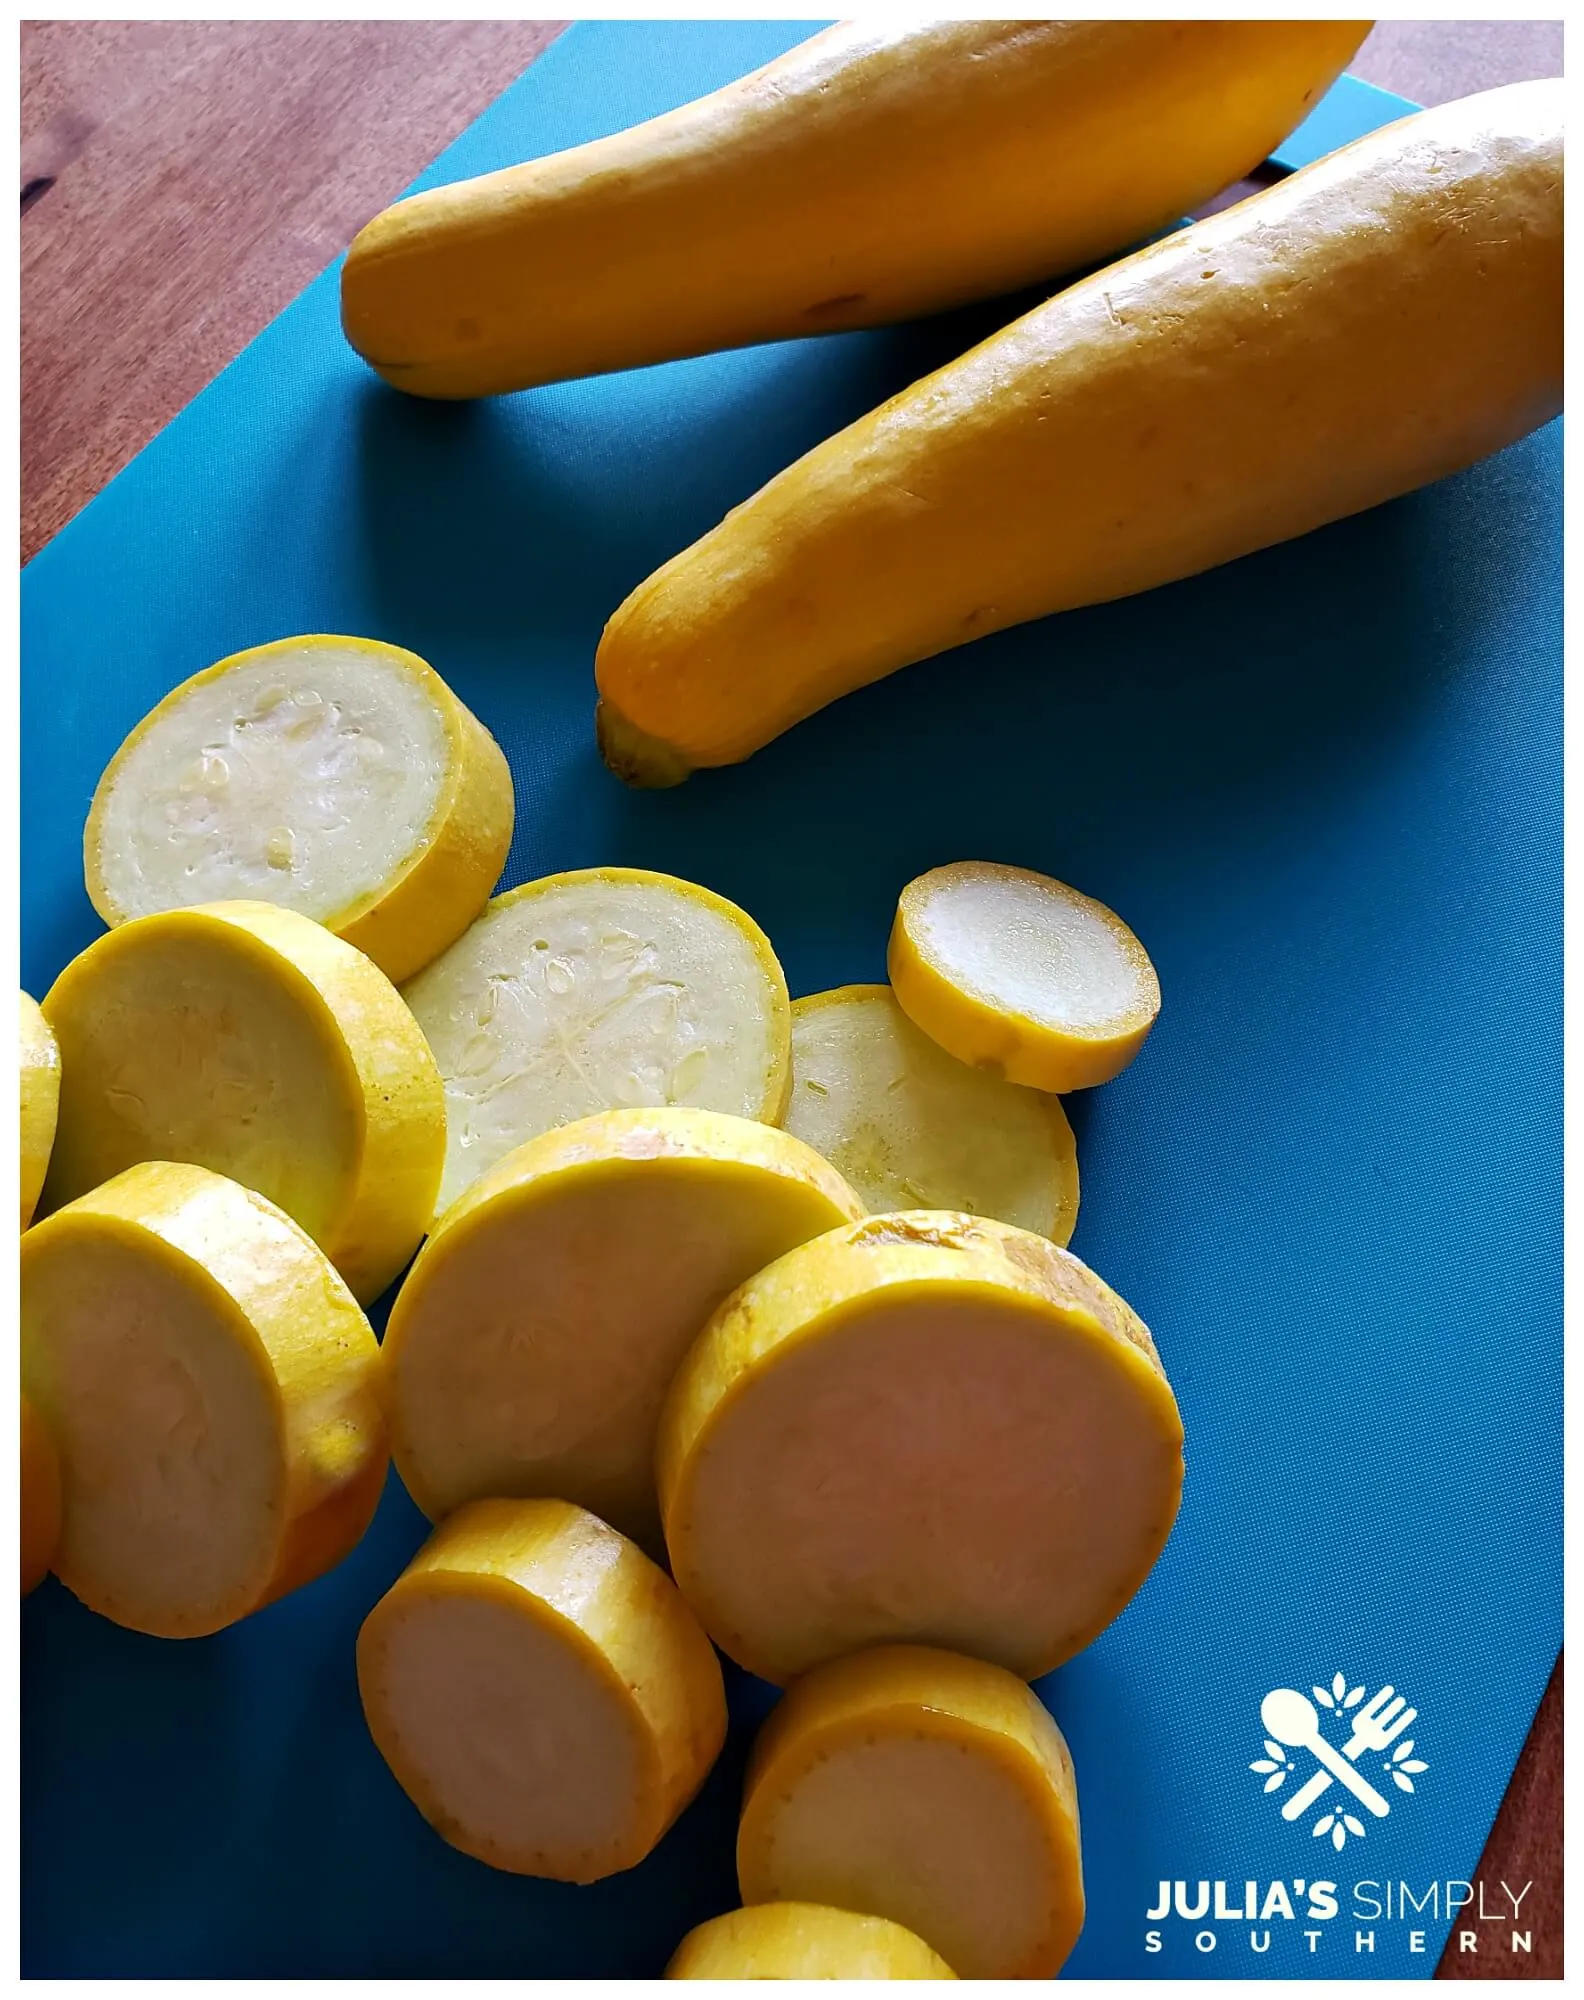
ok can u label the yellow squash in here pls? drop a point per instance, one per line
(1388, 315)
(926, 1426)
(533, 1342)
(39, 1101)
(803, 1941)
(247, 1039)
(594, 990)
(927, 1787)
(909, 1126)
(210, 1386)
(874, 172)
(1021, 976)
(338, 777)
(540, 1691)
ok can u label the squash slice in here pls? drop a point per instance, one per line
(928, 1788)
(540, 1691)
(338, 777)
(532, 1345)
(247, 1039)
(1021, 976)
(803, 1941)
(926, 1427)
(911, 1127)
(600, 990)
(40, 1101)
(211, 1387)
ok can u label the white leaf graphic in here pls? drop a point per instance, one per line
(1338, 1838)
(1354, 1697)
(1320, 1695)
(1416, 1764)
(1271, 1784)
(1352, 1825)
(1339, 1686)
(1402, 1783)
(1275, 1750)
(1404, 1749)
(1262, 1764)
(1324, 1824)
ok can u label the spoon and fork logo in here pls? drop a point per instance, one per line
(1377, 1728)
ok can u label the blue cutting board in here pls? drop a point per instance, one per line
(1323, 784)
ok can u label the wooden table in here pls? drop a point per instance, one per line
(182, 182)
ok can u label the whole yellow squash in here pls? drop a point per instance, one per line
(874, 172)
(1390, 314)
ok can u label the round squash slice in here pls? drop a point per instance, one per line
(1020, 975)
(540, 1691)
(248, 1039)
(926, 1426)
(530, 1349)
(911, 1127)
(601, 990)
(40, 1100)
(803, 1941)
(339, 777)
(931, 1789)
(41, 1498)
(211, 1386)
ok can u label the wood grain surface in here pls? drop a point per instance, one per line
(182, 182)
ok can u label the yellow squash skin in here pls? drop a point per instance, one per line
(920, 1692)
(1383, 317)
(803, 1941)
(300, 1333)
(615, 1612)
(41, 1498)
(372, 1204)
(447, 876)
(39, 1101)
(872, 173)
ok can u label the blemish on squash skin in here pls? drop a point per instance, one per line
(1066, 1283)
(840, 303)
(647, 1145)
(887, 1229)
(1056, 1276)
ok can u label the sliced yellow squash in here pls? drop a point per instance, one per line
(911, 1127)
(803, 1941)
(1021, 976)
(211, 1385)
(531, 1347)
(40, 1101)
(602, 989)
(931, 1789)
(247, 1039)
(339, 777)
(924, 1426)
(41, 1498)
(540, 1691)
